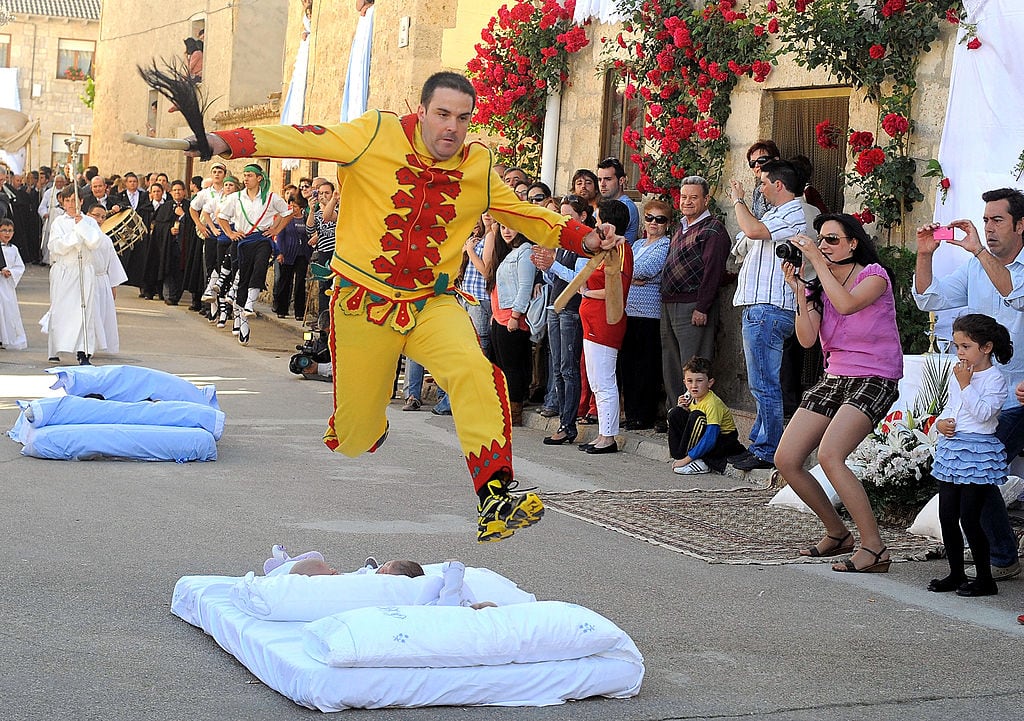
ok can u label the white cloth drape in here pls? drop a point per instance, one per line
(357, 79)
(603, 10)
(295, 101)
(984, 130)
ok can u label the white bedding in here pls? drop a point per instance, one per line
(273, 652)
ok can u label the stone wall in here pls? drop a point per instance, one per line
(57, 104)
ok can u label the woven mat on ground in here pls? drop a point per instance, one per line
(737, 527)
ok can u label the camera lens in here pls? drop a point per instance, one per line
(789, 253)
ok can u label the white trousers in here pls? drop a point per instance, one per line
(601, 376)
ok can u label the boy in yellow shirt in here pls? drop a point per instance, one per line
(701, 429)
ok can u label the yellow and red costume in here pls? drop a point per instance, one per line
(403, 219)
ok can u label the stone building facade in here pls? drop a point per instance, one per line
(243, 60)
(52, 45)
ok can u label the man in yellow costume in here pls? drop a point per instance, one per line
(413, 191)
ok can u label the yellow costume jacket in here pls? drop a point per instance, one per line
(403, 217)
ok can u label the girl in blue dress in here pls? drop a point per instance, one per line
(969, 460)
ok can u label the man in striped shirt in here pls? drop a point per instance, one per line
(769, 308)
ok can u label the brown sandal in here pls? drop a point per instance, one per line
(838, 549)
(879, 566)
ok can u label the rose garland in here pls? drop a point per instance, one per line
(523, 57)
(684, 64)
(875, 48)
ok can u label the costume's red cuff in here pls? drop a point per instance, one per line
(241, 141)
(572, 237)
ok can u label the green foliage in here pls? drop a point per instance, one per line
(88, 98)
(912, 322)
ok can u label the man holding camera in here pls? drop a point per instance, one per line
(768, 304)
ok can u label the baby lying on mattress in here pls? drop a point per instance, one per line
(375, 638)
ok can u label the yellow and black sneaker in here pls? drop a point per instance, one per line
(502, 514)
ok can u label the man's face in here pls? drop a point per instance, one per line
(609, 186)
(770, 189)
(250, 180)
(444, 122)
(324, 193)
(17, 181)
(156, 192)
(59, 182)
(1002, 235)
(514, 177)
(162, 179)
(218, 174)
(178, 193)
(131, 183)
(692, 201)
(98, 187)
(583, 186)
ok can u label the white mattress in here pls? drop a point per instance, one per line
(273, 652)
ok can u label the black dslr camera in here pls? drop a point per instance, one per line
(314, 348)
(790, 253)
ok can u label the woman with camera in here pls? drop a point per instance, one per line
(850, 306)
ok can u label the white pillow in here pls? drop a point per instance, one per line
(294, 597)
(787, 497)
(452, 636)
(926, 523)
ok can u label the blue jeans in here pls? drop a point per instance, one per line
(413, 387)
(995, 521)
(565, 341)
(481, 317)
(765, 328)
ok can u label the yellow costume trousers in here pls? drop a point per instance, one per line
(364, 356)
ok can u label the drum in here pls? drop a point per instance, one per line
(125, 229)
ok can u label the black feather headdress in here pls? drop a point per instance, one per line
(180, 87)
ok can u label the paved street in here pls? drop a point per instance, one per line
(94, 548)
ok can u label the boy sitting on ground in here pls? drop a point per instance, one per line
(701, 430)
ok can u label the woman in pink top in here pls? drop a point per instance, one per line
(851, 308)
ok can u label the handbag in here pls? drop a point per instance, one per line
(537, 313)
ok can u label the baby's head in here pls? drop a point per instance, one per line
(6, 230)
(399, 567)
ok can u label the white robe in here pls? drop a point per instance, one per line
(71, 321)
(109, 273)
(12, 332)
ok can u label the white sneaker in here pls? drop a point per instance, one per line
(999, 573)
(692, 468)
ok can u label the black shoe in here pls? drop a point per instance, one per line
(635, 426)
(750, 462)
(54, 359)
(566, 438)
(978, 588)
(612, 448)
(585, 446)
(83, 359)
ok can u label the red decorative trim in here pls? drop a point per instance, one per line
(241, 141)
(498, 457)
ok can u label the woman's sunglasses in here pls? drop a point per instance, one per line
(659, 219)
(833, 239)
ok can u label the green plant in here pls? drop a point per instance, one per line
(88, 97)
(876, 47)
(912, 321)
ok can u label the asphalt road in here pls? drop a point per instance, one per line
(94, 548)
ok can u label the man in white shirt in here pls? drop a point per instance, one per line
(769, 307)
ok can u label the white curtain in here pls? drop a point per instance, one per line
(295, 101)
(984, 130)
(602, 10)
(357, 80)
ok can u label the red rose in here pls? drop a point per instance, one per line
(876, 51)
(869, 160)
(773, 25)
(895, 125)
(758, 30)
(772, 6)
(944, 183)
(825, 133)
(865, 216)
(974, 44)
(952, 17)
(860, 141)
